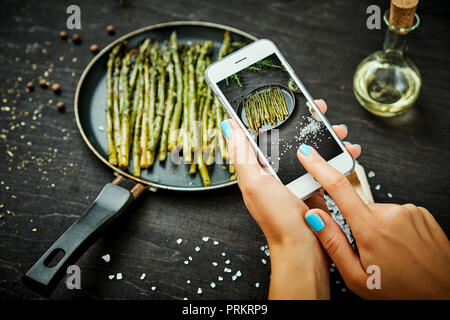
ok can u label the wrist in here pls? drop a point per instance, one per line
(299, 271)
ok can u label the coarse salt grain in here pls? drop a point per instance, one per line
(153, 288)
(257, 285)
(179, 241)
(197, 249)
(143, 276)
(215, 264)
(227, 261)
(264, 261)
(188, 281)
(223, 254)
(111, 276)
(234, 277)
(190, 258)
(227, 270)
(371, 174)
(106, 257)
(216, 243)
(377, 187)
(119, 276)
(239, 273)
(199, 291)
(389, 195)
(205, 239)
(267, 252)
(186, 261)
(220, 278)
(213, 285)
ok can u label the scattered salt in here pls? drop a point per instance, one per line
(143, 276)
(188, 281)
(153, 288)
(389, 195)
(213, 285)
(197, 249)
(179, 241)
(205, 239)
(234, 277)
(216, 243)
(227, 261)
(190, 258)
(257, 285)
(377, 187)
(227, 270)
(119, 276)
(220, 278)
(223, 254)
(264, 261)
(371, 174)
(215, 264)
(267, 252)
(199, 291)
(186, 261)
(238, 273)
(111, 276)
(106, 257)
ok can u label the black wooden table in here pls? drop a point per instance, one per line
(48, 176)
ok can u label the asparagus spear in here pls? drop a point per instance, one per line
(142, 50)
(168, 113)
(112, 151)
(138, 123)
(192, 105)
(175, 121)
(186, 138)
(116, 108)
(144, 155)
(125, 111)
(157, 126)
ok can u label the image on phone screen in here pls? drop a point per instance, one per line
(274, 110)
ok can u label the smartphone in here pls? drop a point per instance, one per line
(260, 90)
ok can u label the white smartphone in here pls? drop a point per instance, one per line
(260, 90)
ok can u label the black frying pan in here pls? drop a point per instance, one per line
(90, 101)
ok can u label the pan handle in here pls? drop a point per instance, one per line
(48, 270)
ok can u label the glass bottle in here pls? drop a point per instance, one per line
(387, 82)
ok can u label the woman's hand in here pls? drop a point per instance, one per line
(299, 265)
(408, 250)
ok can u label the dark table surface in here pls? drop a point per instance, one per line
(48, 176)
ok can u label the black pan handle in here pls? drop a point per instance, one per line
(46, 272)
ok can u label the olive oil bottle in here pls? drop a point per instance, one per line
(387, 82)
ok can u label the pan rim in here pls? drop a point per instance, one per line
(107, 48)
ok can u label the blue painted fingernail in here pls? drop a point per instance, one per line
(226, 128)
(305, 149)
(315, 221)
(344, 125)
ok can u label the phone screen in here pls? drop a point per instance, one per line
(272, 107)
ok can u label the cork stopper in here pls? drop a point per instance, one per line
(402, 13)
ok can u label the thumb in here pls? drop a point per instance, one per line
(240, 151)
(335, 243)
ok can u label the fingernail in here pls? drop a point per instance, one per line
(321, 100)
(315, 221)
(346, 142)
(226, 128)
(344, 125)
(305, 149)
(357, 145)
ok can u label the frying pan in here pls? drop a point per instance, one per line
(89, 107)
